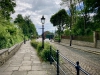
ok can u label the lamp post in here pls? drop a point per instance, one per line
(42, 21)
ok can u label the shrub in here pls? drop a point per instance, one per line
(43, 53)
(34, 44)
(39, 47)
(9, 35)
(56, 39)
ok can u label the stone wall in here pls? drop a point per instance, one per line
(95, 43)
(81, 43)
(98, 43)
(66, 41)
(5, 54)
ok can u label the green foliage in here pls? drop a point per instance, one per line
(39, 48)
(43, 53)
(67, 32)
(7, 8)
(9, 34)
(56, 39)
(34, 44)
(26, 26)
(79, 29)
(59, 19)
(84, 23)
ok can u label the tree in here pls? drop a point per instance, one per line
(26, 25)
(7, 8)
(60, 19)
(93, 6)
(31, 26)
(71, 4)
(89, 23)
(19, 19)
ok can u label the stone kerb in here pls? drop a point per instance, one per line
(5, 54)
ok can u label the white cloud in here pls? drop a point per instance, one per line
(37, 8)
(25, 5)
(22, 6)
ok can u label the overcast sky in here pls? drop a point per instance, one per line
(37, 8)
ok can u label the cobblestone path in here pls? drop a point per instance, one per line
(90, 66)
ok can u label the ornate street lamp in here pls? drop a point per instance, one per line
(42, 21)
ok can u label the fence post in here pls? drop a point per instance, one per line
(50, 55)
(77, 67)
(24, 41)
(57, 62)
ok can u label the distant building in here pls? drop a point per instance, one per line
(48, 35)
